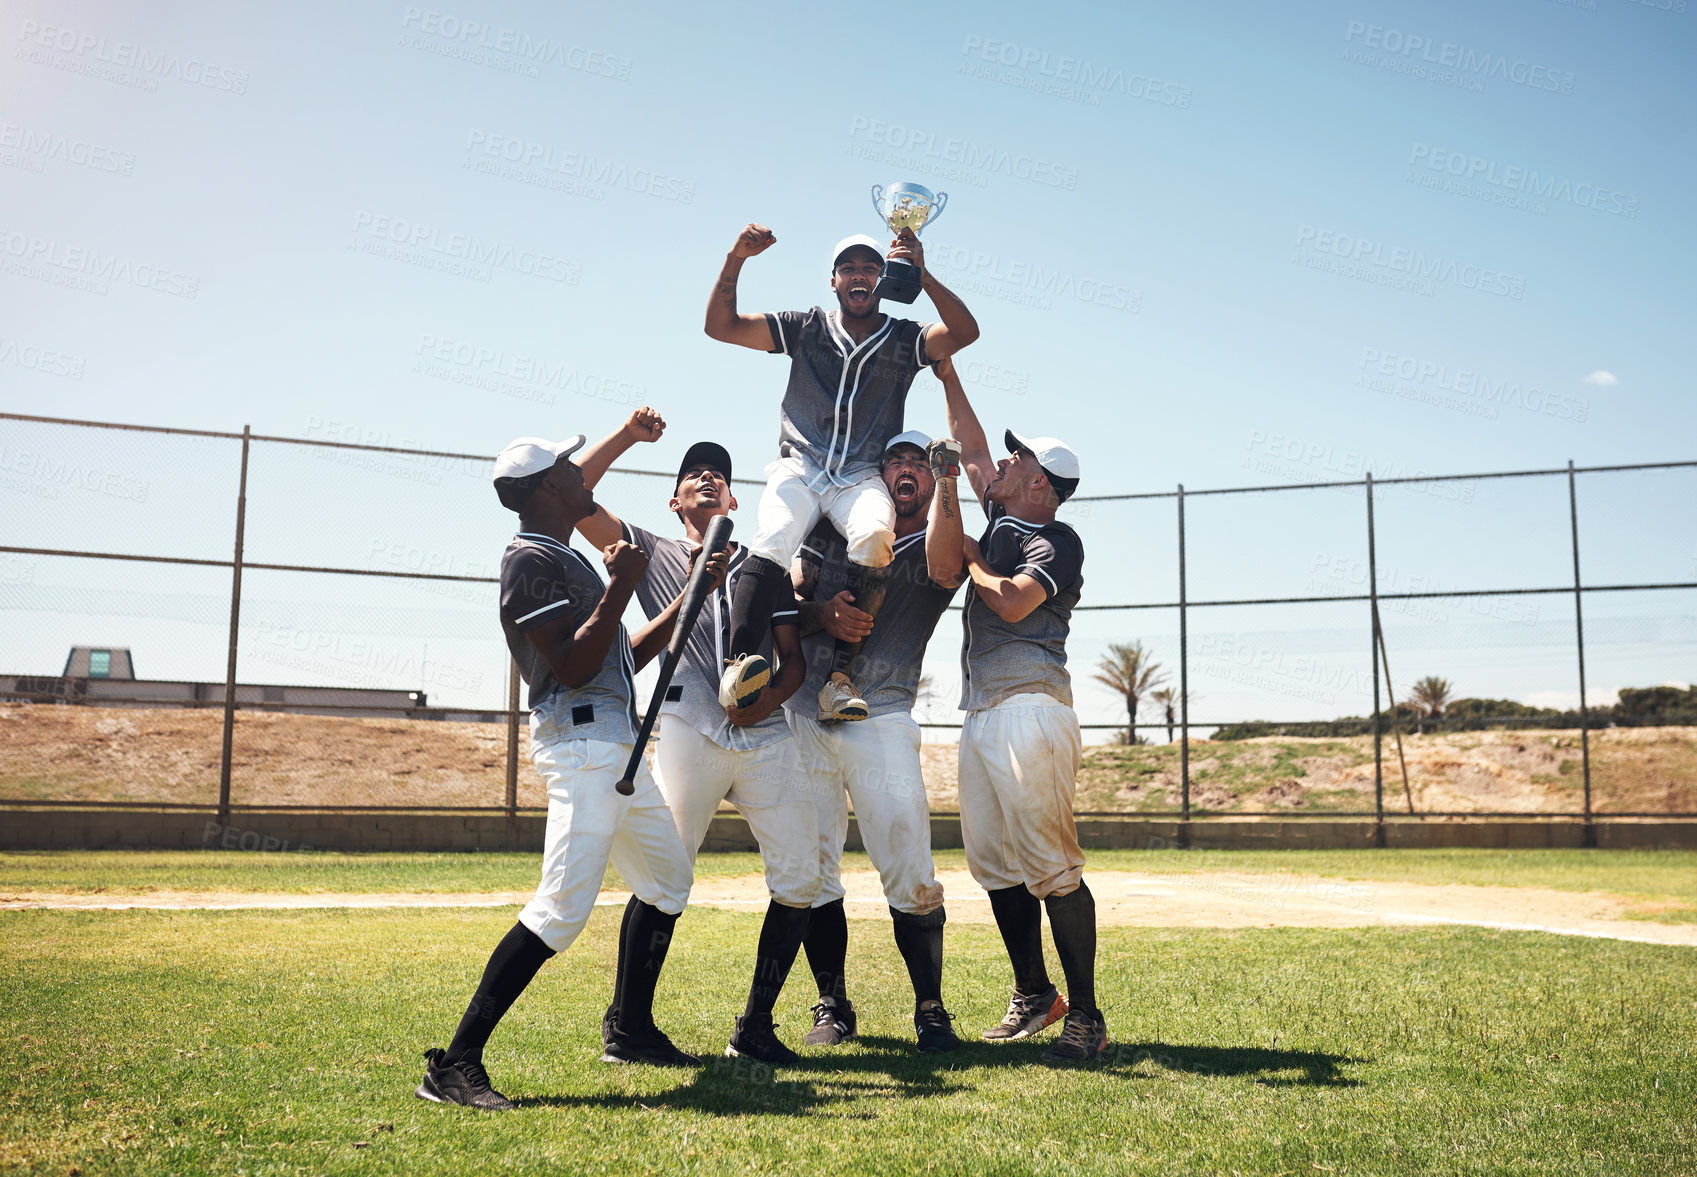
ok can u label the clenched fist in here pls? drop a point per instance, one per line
(752, 240)
(624, 562)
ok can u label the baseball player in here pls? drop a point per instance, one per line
(563, 629)
(850, 371)
(706, 754)
(1020, 744)
(876, 763)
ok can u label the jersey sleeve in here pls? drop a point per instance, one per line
(921, 356)
(785, 327)
(787, 612)
(667, 568)
(1054, 559)
(536, 591)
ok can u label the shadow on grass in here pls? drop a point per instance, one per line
(881, 1067)
(1268, 1068)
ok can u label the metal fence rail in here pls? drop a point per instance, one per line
(513, 711)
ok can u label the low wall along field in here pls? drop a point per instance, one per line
(101, 754)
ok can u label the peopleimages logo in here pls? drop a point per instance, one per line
(1444, 61)
(1087, 75)
(36, 147)
(414, 241)
(964, 153)
(1424, 374)
(1471, 169)
(126, 55)
(1355, 253)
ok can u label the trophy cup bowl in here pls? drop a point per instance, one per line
(904, 206)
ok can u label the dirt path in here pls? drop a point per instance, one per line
(1123, 899)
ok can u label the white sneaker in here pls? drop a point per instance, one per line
(744, 679)
(839, 702)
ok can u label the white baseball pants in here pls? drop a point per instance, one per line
(589, 823)
(864, 513)
(768, 788)
(1018, 770)
(875, 763)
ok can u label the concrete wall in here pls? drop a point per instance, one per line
(294, 830)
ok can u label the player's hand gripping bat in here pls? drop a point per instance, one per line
(689, 609)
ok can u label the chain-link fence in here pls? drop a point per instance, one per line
(311, 624)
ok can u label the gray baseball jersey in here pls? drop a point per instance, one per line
(887, 673)
(543, 580)
(999, 658)
(693, 695)
(844, 400)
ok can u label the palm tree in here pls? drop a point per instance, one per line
(1128, 671)
(1430, 696)
(1165, 698)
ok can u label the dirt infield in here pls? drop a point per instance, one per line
(1123, 898)
(86, 753)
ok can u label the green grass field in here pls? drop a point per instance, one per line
(288, 1042)
(1667, 878)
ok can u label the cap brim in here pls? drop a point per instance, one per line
(1016, 442)
(570, 446)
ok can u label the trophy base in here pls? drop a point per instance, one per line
(900, 281)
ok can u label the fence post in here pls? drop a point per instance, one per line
(1373, 657)
(512, 754)
(1590, 837)
(235, 627)
(1183, 684)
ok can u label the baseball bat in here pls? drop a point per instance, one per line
(692, 599)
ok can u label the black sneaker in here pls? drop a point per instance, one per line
(1083, 1038)
(936, 1036)
(833, 1021)
(754, 1038)
(608, 1021)
(465, 1083)
(647, 1045)
(1027, 1015)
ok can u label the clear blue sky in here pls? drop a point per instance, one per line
(1232, 244)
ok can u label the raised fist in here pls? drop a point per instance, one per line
(752, 240)
(944, 456)
(624, 562)
(645, 425)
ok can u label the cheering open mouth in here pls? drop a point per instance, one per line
(860, 294)
(907, 487)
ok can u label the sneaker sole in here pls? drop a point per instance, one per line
(424, 1092)
(1055, 1014)
(849, 715)
(746, 689)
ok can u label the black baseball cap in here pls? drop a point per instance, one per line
(704, 453)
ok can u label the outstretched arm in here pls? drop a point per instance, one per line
(944, 533)
(964, 427)
(723, 321)
(958, 328)
(602, 528)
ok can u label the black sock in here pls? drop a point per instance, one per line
(646, 936)
(624, 931)
(758, 590)
(827, 948)
(919, 938)
(511, 966)
(780, 939)
(867, 585)
(1072, 921)
(1019, 915)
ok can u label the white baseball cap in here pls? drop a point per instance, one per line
(911, 437)
(1056, 458)
(530, 455)
(848, 243)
